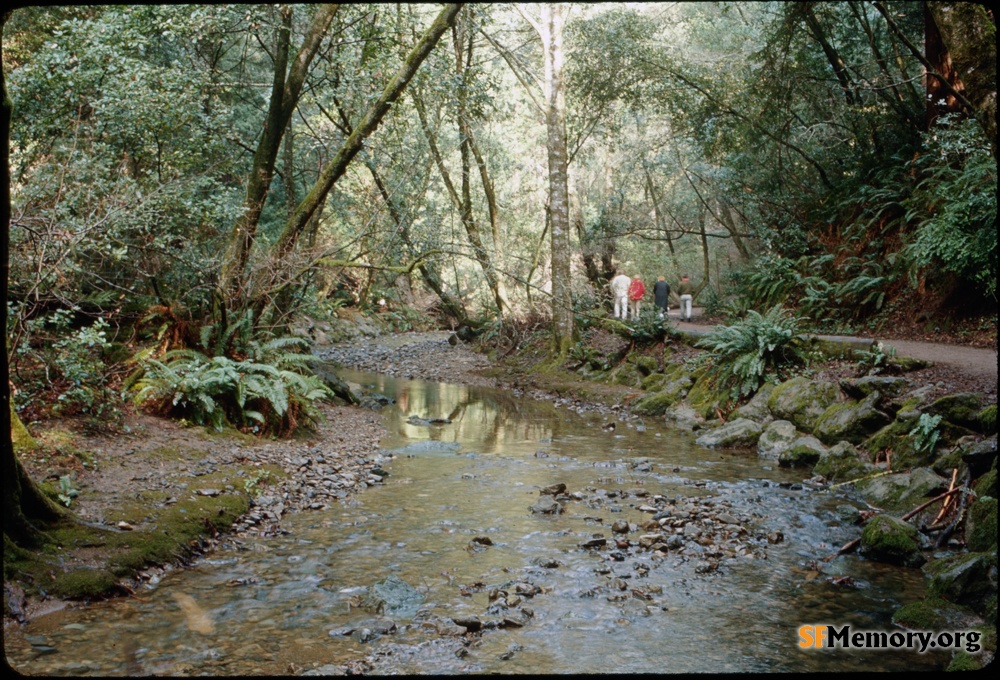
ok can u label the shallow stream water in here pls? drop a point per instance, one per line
(279, 606)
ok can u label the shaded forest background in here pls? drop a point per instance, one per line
(188, 182)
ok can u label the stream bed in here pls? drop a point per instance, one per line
(721, 586)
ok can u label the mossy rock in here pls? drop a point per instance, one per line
(986, 485)
(646, 365)
(960, 409)
(988, 419)
(891, 540)
(778, 435)
(628, 375)
(655, 404)
(756, 408)
(902, 490)
(804, 452)
(653, 382)
(981, 525)
(850, 421)
(803, 401)
(895, 438)
(739, 433)
(900, 364)
(705, 397)
(935, 614)
(84, 584)
(964, 579)
(842, 462)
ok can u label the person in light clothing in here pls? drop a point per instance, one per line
(619, 288)
(685, 290)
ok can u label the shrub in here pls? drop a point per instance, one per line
(270, 391)
(748, 352)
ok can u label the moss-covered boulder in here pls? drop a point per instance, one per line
(653, 382)
(895, 439)
(935, 614)
(683, 417)
(980, 456)
(842, 462)
(986, 485)
(803, 452)
(960, 409)
(739, 434)
(981, 525)
(851, 421)
(646, 365)
(802, 401)
(628, 375)
(988, 420)
(777, 436)
(756, 408)
(670, 393)
(964, 579)
(891, 540)
(886, 386)
(903, 490)
(705, 397)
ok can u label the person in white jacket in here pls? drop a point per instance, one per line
(619, 288)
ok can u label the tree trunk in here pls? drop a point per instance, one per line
(968, 31)
(286, 87)
(335, 169)
(23, 502)
(550, 29)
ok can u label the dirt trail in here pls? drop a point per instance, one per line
(973, 363)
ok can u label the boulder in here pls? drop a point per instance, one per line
(841, 462)
(960, 409)
(967, 578)
(903, 490)
(887, 387)
(891, 540)
(802, 401)
(393, 597)
(739, 433)
(546, 505)
(756, 409)
(981, 525)
(683, 417)
(777, 436)
(851, 421)
(671, 392)
(803, 452)
(935, 614)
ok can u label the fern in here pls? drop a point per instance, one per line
(268, 392)
(749, 352)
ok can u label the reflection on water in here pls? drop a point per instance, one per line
(280, 606)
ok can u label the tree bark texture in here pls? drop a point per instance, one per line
(968, 32)
(551, 25)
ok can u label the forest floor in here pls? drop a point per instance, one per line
(151, 457)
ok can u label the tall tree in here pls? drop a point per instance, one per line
(24, 505)
(286, 88)
(549, 26)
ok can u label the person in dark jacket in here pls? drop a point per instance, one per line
(661, 295)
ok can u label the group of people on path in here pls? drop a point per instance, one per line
(629, 292)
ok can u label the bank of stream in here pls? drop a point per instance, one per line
(656, 556)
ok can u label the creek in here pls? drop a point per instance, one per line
(452, 519)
